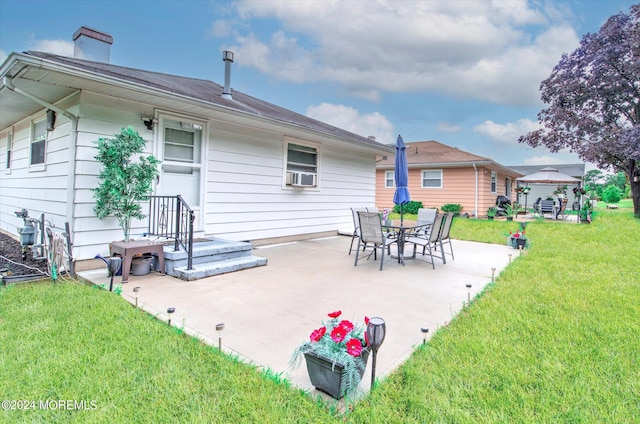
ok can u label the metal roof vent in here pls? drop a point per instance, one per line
(227, 57)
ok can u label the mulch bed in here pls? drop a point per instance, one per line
(11, 258)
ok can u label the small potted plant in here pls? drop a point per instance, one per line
(511, 210)
(336, 355)
(491, 212)
(518, 239)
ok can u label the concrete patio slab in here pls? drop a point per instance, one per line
(270, 310)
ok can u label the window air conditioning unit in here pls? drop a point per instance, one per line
(301, 179)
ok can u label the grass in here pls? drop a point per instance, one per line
(74, 342)
(555, 339)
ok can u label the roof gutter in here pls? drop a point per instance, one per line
(71, 181)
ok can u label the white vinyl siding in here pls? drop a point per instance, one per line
(431, 178)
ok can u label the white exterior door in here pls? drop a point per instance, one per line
(181, 168)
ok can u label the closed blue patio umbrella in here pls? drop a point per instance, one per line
(401, 175)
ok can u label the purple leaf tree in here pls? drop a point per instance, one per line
(594, 101)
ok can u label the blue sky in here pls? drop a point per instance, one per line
(465, 73)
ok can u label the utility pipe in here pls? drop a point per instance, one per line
(476, 191)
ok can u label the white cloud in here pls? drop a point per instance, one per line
(478, 49)
(506, 133)
(449, 128)
(543, 160)
(350, 119)
(60, 47)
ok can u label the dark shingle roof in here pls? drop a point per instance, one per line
(205, 91)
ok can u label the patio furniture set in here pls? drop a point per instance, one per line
(430, 232)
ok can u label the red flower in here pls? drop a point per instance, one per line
(316, 335)
(335, 314)
(516, 235)
(347, 325)
(338, 334)
(354, 347)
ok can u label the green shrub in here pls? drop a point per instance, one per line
(411, 207)
(452, 207)
(612, 194)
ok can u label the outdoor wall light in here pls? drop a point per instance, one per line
(424, 331)
(170, 312)
(376, 330)
(468, 294)
(219, 328)
(135, 291)
(149, 122)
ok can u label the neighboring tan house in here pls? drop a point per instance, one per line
(251, 170)
(439, 174)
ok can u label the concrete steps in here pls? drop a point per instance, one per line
(211, 257)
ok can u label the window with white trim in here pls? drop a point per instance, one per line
(38, 142)
(9, 148)
(302, 158)
(389, 179)
(181, 147)
(494, 181)
(431, 178)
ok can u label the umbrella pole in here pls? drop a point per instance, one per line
(401, 216)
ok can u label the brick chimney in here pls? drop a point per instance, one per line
(92, 44)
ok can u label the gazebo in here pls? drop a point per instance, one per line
(542, 180)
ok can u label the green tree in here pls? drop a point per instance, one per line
(124, 183)
(612, 194)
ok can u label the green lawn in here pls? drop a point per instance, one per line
(555, 339)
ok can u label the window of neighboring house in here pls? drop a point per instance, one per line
(432, 178)
(389, 179)
(9, 148)
(38, 142)
(494, 181)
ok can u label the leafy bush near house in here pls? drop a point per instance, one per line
(411, 207)
(456, 208)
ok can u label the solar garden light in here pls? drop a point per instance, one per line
(170, 311)
(376, 330)
(136, 290)
(493, 274)
(509, 257)
(219, 328)
(113, 266)
(424, 331)
(468, 294)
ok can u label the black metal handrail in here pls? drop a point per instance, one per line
(172, 218)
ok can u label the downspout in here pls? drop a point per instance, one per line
(476, 190)
(71, 182)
